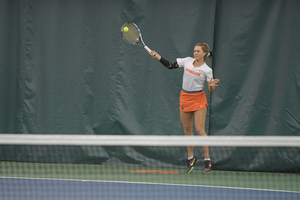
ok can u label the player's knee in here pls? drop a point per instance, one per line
(201, 132)
(188, 131)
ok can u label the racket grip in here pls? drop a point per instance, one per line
(147, 48)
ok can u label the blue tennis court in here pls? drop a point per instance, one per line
(46, 189)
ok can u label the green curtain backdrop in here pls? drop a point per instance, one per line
(66, 70)
(257, 58)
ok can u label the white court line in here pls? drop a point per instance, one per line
(147, 183)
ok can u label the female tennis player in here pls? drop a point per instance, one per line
(193, 103)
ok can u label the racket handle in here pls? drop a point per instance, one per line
(147, 48)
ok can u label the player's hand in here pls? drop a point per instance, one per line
(213, 82)
(153, 53)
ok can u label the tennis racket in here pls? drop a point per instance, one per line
(132, 35)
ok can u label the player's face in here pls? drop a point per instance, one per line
(198, 53)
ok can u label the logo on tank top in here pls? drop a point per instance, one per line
(192, 72)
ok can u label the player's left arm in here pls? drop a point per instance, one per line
(212, 83)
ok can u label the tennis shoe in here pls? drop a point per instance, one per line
(207, 166)
(191, 163)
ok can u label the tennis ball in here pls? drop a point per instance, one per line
(125, 29)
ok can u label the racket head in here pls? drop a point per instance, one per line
(133, 35)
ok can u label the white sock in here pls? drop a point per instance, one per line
(207, 159)
(191, 157)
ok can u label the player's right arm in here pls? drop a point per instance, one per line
(166, 63)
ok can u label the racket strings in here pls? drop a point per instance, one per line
(132, 35)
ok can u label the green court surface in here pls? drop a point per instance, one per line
(120, 173)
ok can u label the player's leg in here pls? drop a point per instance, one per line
(200, 117)
(187, 123)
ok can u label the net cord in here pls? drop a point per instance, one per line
(149, 140)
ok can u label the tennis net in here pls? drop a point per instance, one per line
(147, 167)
